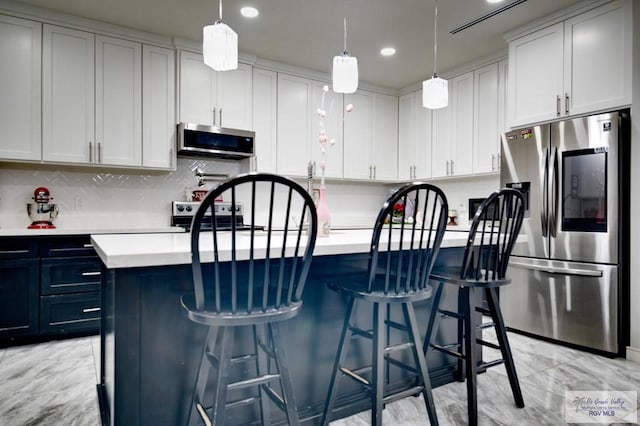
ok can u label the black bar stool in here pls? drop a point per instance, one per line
(493, 233)
(259, 293)
(406, 239)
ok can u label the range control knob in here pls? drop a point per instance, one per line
(180, 208)
(189, 208)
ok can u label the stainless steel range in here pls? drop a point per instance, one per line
(182, 213)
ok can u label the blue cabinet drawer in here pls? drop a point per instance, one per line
(18, 248)
(79, 312)
(67, 246)
(70, 275)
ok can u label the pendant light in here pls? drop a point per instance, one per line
(435, 91)
(345, 69)
(220, 45)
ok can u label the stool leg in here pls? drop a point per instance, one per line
(503, 341)
(377, 376)
(420, 361)
(262, 366)
(283, 368)
(220, 398)
(470, 324)
(434, 318)
(203, 374)
(463, 303)
(340, 356)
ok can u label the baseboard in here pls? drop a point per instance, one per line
(633, 354)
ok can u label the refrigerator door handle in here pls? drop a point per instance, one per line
(543, 211)
(555, 270)
(553, 213)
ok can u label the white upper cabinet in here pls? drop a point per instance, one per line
(118, 102)
(577, 66)
(597, 68)
(20, 88)
(371, 137)
(68, 88)
(453, 133)
(486, 120)
(78, 127)
(414, 138)
(213, 98)
(294, 124)
(158, 113)
(332, 124)
(265, 116)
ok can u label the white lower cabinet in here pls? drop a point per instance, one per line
(265, 116)
(158, 111)
(414, 138)
(371, 137)
(20, 88)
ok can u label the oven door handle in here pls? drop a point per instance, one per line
(556, 270)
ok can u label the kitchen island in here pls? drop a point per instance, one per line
(150, 350)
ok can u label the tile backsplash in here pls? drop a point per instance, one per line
(140, 199)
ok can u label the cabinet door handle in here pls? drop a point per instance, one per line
(452, 167)
(558, 105)
(370, 172)
(87, 245)
(13, 251)
(220, 116)
(415, 174)
(214, 116)
(99, 152)
(493, 162)
(87, 310)
(566, 103)
(90, 152)
(91, 273)
(447, 167)
(374, 171)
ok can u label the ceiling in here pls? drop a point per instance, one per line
(308, 33)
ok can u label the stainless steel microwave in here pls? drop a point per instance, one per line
(212, 141)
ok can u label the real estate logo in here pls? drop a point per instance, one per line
(601, 406)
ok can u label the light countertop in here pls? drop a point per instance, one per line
(142, 250)
(24, 232)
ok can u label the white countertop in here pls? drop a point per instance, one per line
(25, 232)
(135, 250)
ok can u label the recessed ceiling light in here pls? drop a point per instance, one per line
(388, 51)
(249, 12)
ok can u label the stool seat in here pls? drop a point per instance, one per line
(358, 288)
(451, 275)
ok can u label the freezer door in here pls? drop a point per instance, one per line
(524, 158)
(584, 190)
(566, 301)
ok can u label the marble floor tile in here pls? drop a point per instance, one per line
(53, 383)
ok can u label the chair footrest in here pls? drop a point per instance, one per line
(275, 397)
(241, 402)
(402, 394)
(488, 344)
(489, 364)
(356, 376)
(446, 350)
(452, 314)
(203, 414)
(487, 325)
(402, 365)
(253, 382)
(355, 331)
(483, 310)
(396, 325)
(398, 347)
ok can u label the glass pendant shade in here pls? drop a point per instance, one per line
(435, 93)
(345, 74)
(220, 47)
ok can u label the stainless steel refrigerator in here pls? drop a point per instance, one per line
(569, 279)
